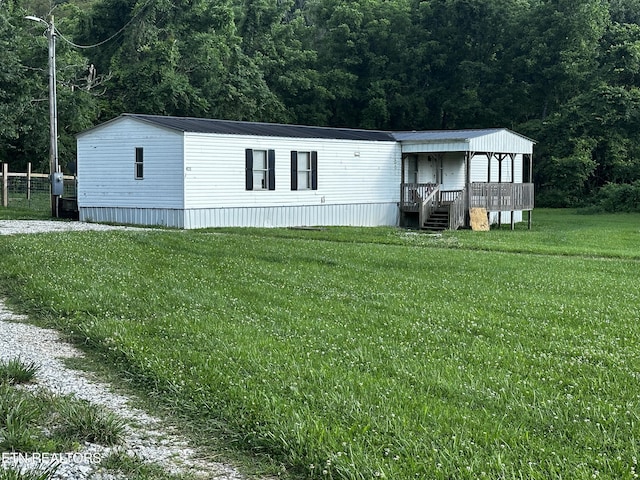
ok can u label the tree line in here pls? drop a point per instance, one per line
(563, 72)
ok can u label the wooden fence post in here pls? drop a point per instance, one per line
(29, 181)
(5, 184)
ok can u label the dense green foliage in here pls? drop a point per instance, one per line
(564, 72)
(615, 197)
(365, 353)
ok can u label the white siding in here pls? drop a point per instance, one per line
(479, 169)
(195, 180)
(506, 217)
(453, 172)
(349, 172)
(517, 169)
(106, 171)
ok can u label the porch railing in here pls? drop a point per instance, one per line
(497, 197)
(424, 198)
(447, 197)
(412, 195)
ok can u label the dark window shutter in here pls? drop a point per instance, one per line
(249, 168)
(272, 169)
(294, 170)
(314, 170)
(139, 164)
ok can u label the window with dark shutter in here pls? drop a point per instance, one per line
(294, 170)
(314, 170)
(248, 169)
(271, 185)
(260, 169)
(304, 167)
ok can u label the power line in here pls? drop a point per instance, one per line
(126, 25)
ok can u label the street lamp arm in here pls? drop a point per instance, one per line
(36, 19)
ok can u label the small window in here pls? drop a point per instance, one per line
(260, 169)
(139, 165)
(304, 170)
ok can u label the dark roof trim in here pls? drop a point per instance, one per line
(232, 127)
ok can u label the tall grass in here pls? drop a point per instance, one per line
(358, 354)
(38, 421)
(15, 371)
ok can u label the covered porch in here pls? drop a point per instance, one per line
(447, 173)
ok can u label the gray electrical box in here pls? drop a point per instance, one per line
(57, 184)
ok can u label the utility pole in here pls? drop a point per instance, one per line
(54, 168)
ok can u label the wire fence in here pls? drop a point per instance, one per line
(30, 190)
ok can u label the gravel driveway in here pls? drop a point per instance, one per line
(147, 438)
(13, 227)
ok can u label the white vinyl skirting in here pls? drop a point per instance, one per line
(364, 214)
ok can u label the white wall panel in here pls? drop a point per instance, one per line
(506, 217)
(106, 166)
(453, 172)
(479, 169)
(348, 172)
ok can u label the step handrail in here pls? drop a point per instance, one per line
(428, 205)
(457, 210)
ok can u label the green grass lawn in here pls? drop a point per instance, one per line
(24, 212)
(364, 353)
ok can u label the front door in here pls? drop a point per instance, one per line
(429, 169)
(413, 170)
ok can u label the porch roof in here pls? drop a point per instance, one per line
(495, 140)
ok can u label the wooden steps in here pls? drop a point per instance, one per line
(438, 220)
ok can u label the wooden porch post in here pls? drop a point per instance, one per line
(500, 157)
(513, 180)
(530, 181)
(402, 199)
(467, 185)
(402, 177)
(489, 158)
